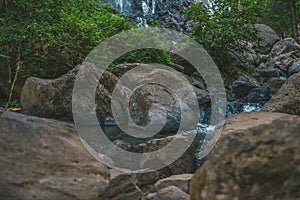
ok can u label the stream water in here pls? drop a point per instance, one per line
(144, 10)
(204, 129)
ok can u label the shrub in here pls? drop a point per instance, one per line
(53, 35)
(226, 29)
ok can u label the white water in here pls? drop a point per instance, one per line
(143, 9)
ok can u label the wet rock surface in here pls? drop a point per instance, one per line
(247, 160)
(185, 164)
(242, 87)
(53, 98)
(167, 13)
(255, 158)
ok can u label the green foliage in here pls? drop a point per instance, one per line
(53, 35)
(12, 104)
(278, 15)
(143, 56)
(153, 22)
(226, 30)
(3, 56)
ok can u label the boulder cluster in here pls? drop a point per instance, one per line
(256, 155)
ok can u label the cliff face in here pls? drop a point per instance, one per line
(168, 13)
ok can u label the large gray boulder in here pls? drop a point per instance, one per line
(268, 38)
(53, 98)
(287, 98)
(256, 157)
(158, 92)
(183, 165)
(45, 159)
(283, 54)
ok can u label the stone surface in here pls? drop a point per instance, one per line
(197, 80)
(185, 164)
(158, 95)
(120, 70)
(274, 84)
(45, 159)
(269, 73)
(257, 157)
(241, 122)
(259, 94)
(295, 68)
(247, 58)
(168, 193)
(147, 178)
(284, 46)
(282, 62)
(181, 181)
(53, 98)
(268, 37)
(188, 68)
(242, 87)
(287, 99)
(283, 54)
(168, 13)
(122, 186)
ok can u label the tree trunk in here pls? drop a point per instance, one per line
(292, 8)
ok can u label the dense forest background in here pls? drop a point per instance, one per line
(46, 38)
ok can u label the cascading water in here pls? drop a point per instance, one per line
(168, 13)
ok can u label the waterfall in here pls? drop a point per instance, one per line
(145, 8)
(121, 5)
(167, 12)
(153, 7)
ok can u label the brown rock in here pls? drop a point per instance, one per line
(268, 37)
(287, 99)
(53, 98)
(122, 186)
(245, 121)
(168, 193)
(181, 181)
(157, 96)
(185, 164)
(146, 178)
(257, 157)
(283, 54)
(274, 84)
(45, 159)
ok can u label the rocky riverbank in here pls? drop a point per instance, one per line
(255, 157)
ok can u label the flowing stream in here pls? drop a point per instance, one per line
(142, 12)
